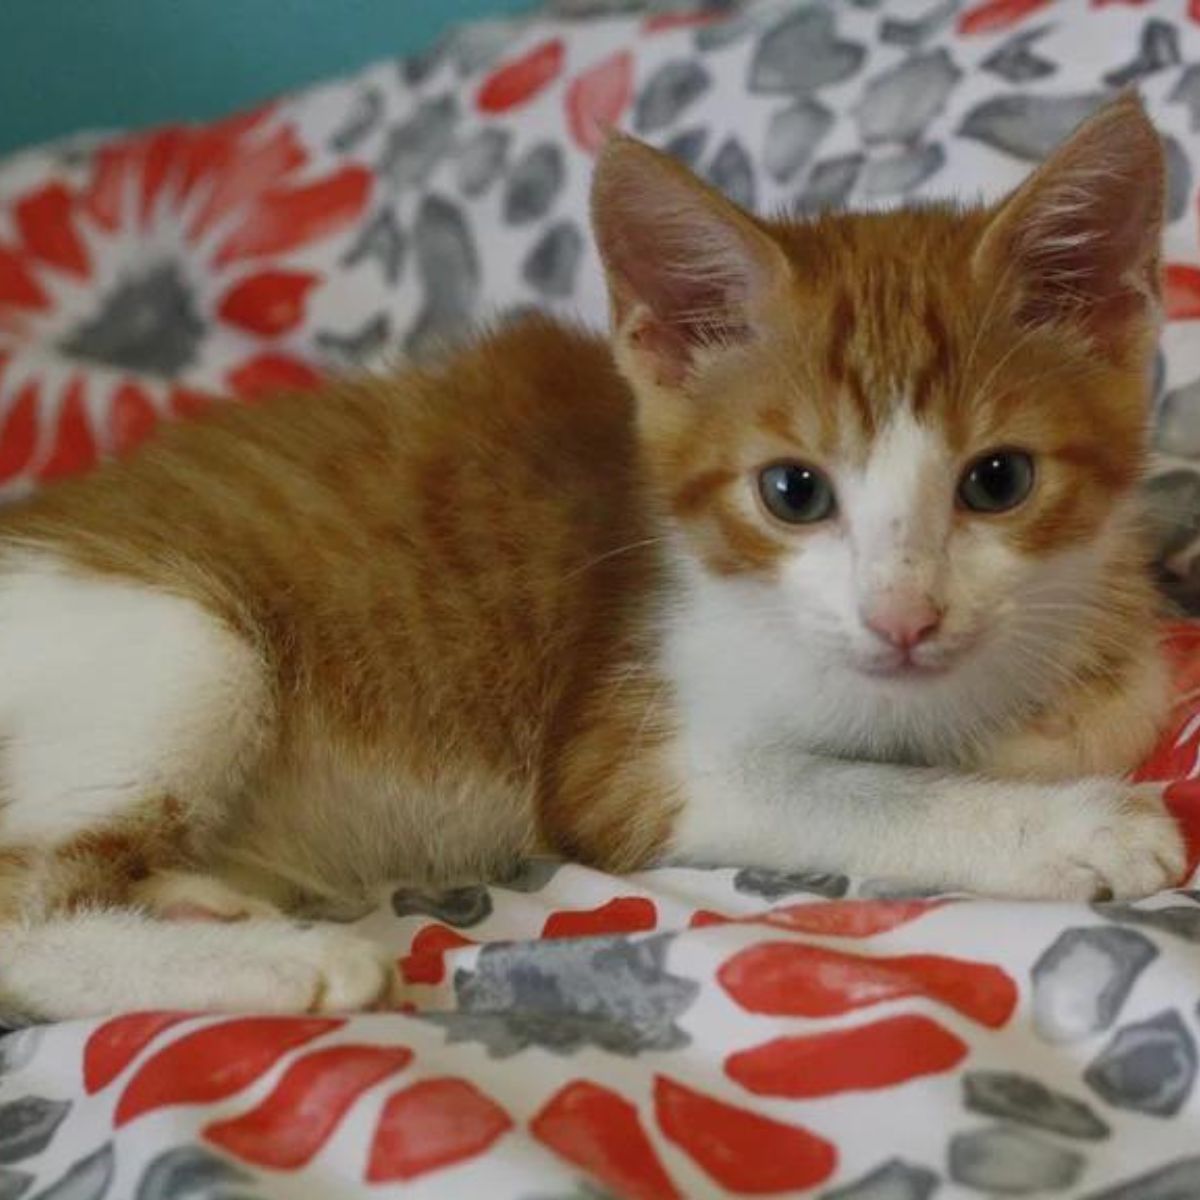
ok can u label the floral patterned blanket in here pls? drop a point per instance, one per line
(676, 1033)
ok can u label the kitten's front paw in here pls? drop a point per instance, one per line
(283, 968)
(1103, 839)
(346, 973)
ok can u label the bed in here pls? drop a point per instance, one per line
(567, 1034)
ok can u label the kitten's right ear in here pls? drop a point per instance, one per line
(687, 269)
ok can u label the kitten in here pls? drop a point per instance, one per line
(830, 561)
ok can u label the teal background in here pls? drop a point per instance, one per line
(67, 65)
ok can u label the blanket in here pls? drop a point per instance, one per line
(676, 1033)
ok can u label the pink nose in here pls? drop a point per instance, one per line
(903, 624)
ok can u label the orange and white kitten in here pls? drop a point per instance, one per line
(829, 561)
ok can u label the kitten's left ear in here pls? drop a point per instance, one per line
(687, 269)
(1080, 239)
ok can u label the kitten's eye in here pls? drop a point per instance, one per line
(997, 481)
(796, 493)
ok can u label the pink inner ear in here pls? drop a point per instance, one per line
(678, 249)
(1084, 230)
(189, 910)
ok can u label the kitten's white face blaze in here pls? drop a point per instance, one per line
(894, 586)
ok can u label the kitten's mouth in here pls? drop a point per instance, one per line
(905, 670)
(904, 667)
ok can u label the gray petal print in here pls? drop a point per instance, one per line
(725, 32)
(532, 875)
(28, 1124)
(902, 172)
(1016, 61)
(1008, 1160)
(534, 184)
(414, 147)
(553, 262)
(476, 45)
(362, 118)
(190, 1173)
(1178, 430)
(803, 53)
(18, 1048)
(774, 885)
(912, 33)
(1148, 1067)
(461, 907)
(583, 1190)
(382, 241)
(360, 346)
(481, 160)
(893, 1180)
(417, 69)
(146, 323)
(1015, 1097)
(668, 92)
(1179, 1181)
(898, 104)
(829, 185)
(732, 172)
(1179, 179)
(449, 269)
(1187, 91)
(1082, 980)
(688, 146)
(87, 1179)
(793, 135)
(613, 993)
(14, 1184)
(1173, 511)
(1179, 920)
(1027, 126)
(1159, 49)
(895, 889)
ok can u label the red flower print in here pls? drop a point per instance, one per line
(1181, 292)
(994, 15)
(601, 1133)
(433, 1124)
(621, 914)
(792, 979)
(596, 99)
(426, 958)
(882, 1054)
(116, 1043)
(216, 1061)
(308, 1103)
(517, 82)
(745, 1152)
(172, 234)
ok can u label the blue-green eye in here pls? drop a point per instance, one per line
(996, 481)
(796, 493)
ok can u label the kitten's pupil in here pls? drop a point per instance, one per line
(997, 481)
(796, 493)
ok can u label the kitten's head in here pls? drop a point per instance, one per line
(912, 433)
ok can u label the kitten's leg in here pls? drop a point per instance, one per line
(129, 718)
(103, 962)
(177, 895)
(1076, 840)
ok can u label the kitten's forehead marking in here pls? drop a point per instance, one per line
(887, 340)
(898, 494)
